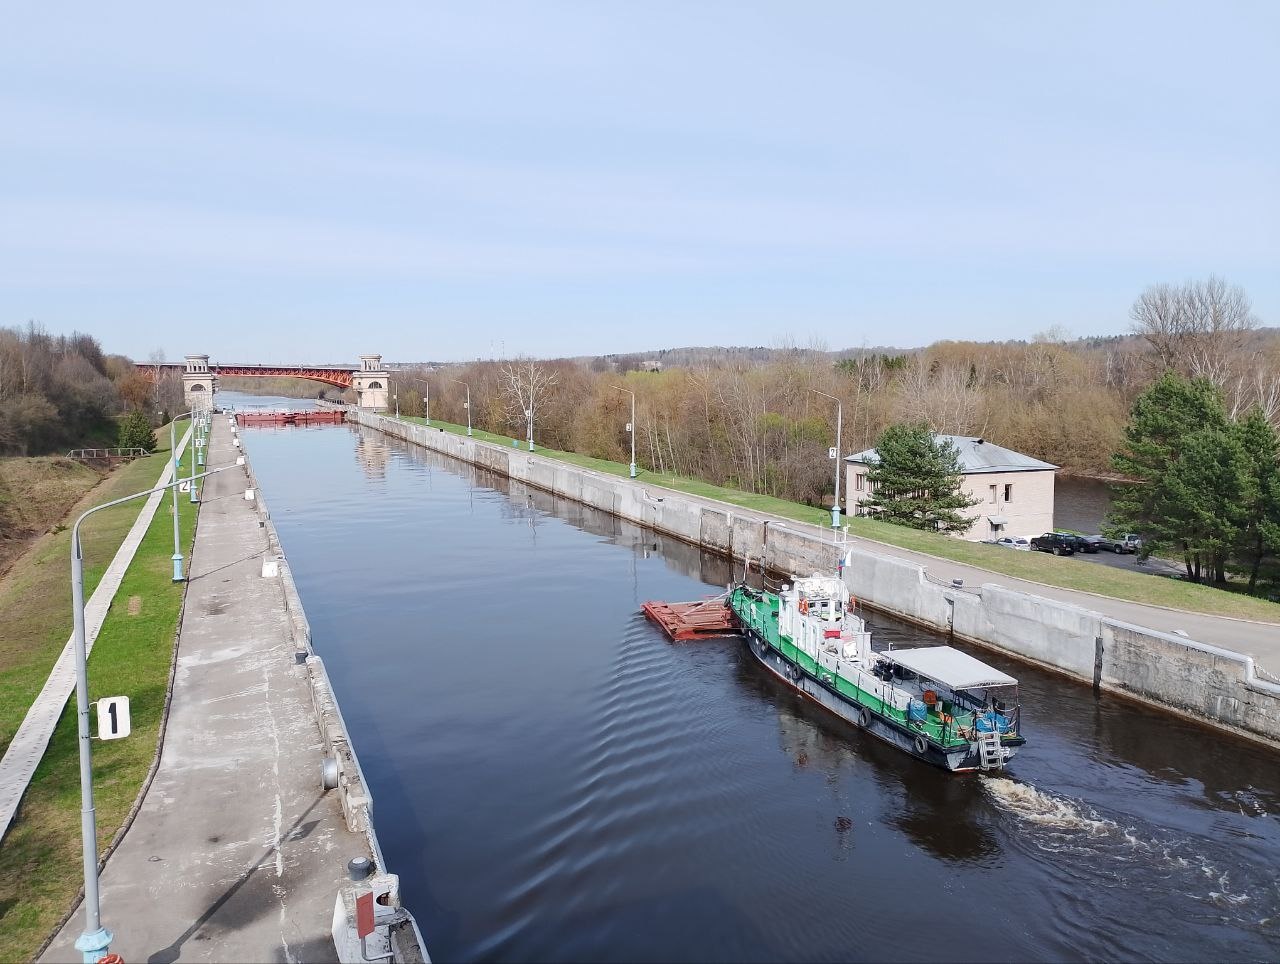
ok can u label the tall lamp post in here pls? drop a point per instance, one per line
(173, 453)
(95, 941)
(835, 505)
(426, 397)
(631, 427)
(467, 405)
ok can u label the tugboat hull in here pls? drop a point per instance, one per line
(954, 759)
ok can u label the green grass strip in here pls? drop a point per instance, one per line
(40, 857)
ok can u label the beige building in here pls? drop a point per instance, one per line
(1014, 491)
(370, 382)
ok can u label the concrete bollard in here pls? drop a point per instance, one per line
(270, 568)
(248, 495)
(239, 460)
(235, 442)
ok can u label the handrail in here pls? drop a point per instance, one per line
(108, 453)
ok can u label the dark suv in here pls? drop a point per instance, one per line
(1055, 542)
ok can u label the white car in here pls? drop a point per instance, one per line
(1015, 542)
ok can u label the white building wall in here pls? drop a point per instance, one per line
(1027, 506)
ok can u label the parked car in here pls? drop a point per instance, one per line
(1126, 543)
(1014, 542)
(1081, 543)
(1055, 542)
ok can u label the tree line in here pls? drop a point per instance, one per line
(762, 426)
(63, 391)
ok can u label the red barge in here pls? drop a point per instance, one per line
(319, 416)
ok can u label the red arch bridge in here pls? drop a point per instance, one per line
(339, 376)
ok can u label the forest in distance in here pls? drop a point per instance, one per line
(764, 421)
(759, 419)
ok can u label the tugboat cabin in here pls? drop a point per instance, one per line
(958, 696)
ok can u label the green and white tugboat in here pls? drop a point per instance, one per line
(936, 703)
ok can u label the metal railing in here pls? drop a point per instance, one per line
(116, 453)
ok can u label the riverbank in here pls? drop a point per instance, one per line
(131, 655)
(1033, 567)
(239, 851)
(1198, 665)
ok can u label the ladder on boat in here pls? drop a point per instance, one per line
(990, 752)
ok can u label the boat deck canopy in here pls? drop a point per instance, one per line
(950, 667)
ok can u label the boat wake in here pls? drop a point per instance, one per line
(1247, 894)
(1045, 809)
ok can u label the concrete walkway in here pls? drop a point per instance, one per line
(236, 854)
(27, 748)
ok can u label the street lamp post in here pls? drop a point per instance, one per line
(529, 414)
(835, 505)
(173, 452)
(95, 941)
(631, 427)
(467, 404)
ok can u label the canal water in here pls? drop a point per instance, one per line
(555, 781)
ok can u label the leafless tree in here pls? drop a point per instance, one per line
(1198, 328)
(945, 397)
(524, 385)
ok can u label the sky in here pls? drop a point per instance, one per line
(305, 182)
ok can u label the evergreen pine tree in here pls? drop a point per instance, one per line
(1259, 507)
(1164, 418)
(917, 481)
(136, 432)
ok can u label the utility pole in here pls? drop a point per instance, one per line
(467, 404)
(835, 505)
(631, 427)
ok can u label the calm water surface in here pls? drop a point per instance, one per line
(556, 781)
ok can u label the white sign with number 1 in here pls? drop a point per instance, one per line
(113, 718)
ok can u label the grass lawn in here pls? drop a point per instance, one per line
(40, 856)
(1065, 573)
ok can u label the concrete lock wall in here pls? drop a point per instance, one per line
(401, 941)
(1192, 679)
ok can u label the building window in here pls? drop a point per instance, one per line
(860, 482)
(992, 489)
(1008, 491)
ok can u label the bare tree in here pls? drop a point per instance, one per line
(1199, 328)
(523, 385)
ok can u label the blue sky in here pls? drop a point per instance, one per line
(304, 182)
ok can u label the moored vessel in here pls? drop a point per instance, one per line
(936, 703)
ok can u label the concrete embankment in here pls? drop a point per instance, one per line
(239, 851)
(1211, 683)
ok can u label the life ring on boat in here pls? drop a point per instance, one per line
(804, 606)
(922, 745)
(929, 698)
(864, 717)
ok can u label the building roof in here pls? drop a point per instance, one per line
(950, 667)
(976, 455)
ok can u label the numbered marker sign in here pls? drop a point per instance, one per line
(831, 453)
(113, 718)
(628, 426)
